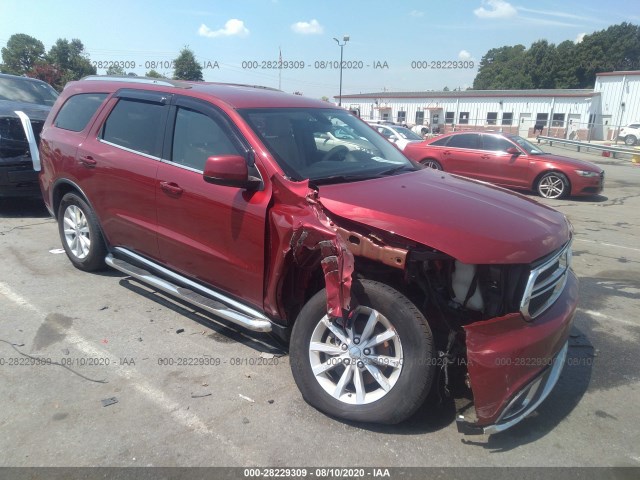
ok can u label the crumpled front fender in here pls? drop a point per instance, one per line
(300, 234)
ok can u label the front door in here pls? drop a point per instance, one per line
(213, 233)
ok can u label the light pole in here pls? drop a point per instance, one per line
(345, 39)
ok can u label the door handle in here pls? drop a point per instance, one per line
(87, 161)
(171, 187)
(484, 157)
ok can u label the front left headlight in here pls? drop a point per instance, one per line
(587, 173)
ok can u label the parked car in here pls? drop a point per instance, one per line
(219, 196)
(34, 99)
(509, 161)
(397, 134)
(630, 134)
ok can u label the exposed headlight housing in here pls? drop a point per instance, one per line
(587, 173)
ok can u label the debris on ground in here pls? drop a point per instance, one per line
(200, 395)
(180, 330)
(109, 401)
(246, 398)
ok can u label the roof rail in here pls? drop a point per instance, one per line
(165, 82)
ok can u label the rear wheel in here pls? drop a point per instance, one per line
(376, 367)
(553, 185)
(80, 234)
(431, 163)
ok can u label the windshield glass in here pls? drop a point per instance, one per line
(526, 145)
(325, 145)
(407, 134)
(24, 90)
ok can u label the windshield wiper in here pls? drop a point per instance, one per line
(342, 178)
(396, 169)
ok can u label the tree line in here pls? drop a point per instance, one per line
(566, 65)
(67, 60)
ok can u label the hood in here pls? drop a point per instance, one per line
(572, 162)
(471, 221)
(33, 110)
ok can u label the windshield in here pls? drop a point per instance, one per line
(526, 145)
(325, 145)
(18, 89)
(407, 134)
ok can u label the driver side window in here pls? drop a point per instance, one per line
(198, 137)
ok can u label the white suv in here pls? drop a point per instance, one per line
(630, 134)
(401, 136)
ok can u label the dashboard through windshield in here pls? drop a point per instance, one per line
(325, 144)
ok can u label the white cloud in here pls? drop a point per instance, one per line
(464, 55)
(308, 28)
(497, 9)
(233, 28)
(552, 13)
(416, 13)
(580, 37)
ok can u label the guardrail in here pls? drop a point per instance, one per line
(610, 149)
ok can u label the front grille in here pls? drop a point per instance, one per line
(13, 141)
(546, 282)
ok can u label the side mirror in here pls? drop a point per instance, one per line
(230, 171)
(513, 151)
(393, 138)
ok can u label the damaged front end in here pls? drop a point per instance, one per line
(500, 330)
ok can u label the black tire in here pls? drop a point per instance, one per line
(630, 140)
(431, 163)
(87, 252)
(413, 340)
(553, 185)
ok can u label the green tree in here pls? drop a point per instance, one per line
(503, 68)
(186, 67)
(115, 70)
(540, 62)
(153, 74)
(71, 59)
(21, 54)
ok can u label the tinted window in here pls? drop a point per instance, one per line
(78, 110)
(465, 140)
(441, 142)
(495, 144)
(197, 137)
(135, 125)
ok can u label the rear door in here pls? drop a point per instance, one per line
(462, 154)
(117, 166)
(213, 233)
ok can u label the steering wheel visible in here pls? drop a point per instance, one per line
(336, 153)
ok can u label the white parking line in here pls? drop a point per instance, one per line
(151, 393)
(607, 244)
(593, 313)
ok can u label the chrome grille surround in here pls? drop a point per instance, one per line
(546, 282)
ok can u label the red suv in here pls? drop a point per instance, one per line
(379, 271)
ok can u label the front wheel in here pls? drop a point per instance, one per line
(630, 140)
(553, 185)
(80, 234)
(377, 367)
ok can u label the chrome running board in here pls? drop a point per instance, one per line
(203, 298)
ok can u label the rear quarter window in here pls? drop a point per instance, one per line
(78, 110)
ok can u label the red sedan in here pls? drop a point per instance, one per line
(509, 161)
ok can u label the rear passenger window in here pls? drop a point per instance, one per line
(441, 142)
(135, 125)
(78, 110)
(465, 140)
(198, 137)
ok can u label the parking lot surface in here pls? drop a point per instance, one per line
(144, 381)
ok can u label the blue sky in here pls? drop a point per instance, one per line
(233, 32)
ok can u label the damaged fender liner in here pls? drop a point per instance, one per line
(300, 232)
(506, 354)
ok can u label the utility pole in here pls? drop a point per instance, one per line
(345, 39)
